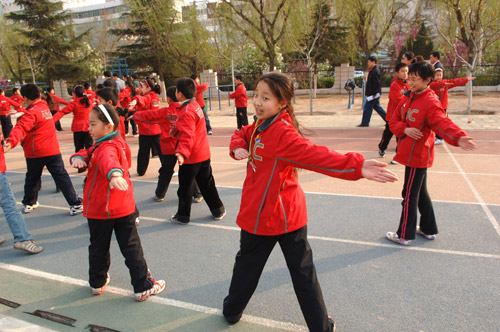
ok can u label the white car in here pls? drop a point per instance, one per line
(358, 73)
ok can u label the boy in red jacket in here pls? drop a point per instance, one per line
(240, 100)
(193, 155)
(441, 88)
(399, 87)
(417, 117)
(201, 101)
(37, 134)
(16, 96)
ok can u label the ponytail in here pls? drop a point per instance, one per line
(152, 85)
(79, 91)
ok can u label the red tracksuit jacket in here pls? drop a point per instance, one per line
(199, 94)
(272, 201)
(36, 132)
(57, 101)
(240, 96)
(166, 117)
(191, 133)
(18, 99)
(151, 101)
(125, 97)
(424, 112)
(92, 96)
(5, 103)
(396, 92)
(441, 89)
(80, 115)
(107, 155)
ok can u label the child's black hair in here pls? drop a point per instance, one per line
(14, 90)
(436, 55)
(239, 77)
(46, 96)
(151, 84)
(372, 59)
(80, 93)
(99, 86)
(399, 66)
(108, 94)
(133, 92)
(1, 90)
(30, 91)
(171, 93)
(108, 84)
(422, 69)
(193, 77)
(112, 113)
(86, 85)
(186, 86)
(409, 55)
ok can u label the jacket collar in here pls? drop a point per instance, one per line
(186, 102)
(267, 123)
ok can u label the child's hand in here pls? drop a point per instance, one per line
(7, 147)
(471, 78)
(180, 158)
(132, 104)
(78, 163)
(466, 143)
(376, 171)
(118, 182)
(413, 133)
(240, 153)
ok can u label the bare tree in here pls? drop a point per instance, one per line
(260, 22)
(477, 27)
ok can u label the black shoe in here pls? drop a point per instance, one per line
(176, 220)
(362, 125)
(381, 152)
(233, 319)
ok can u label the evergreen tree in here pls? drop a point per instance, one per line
(419, 41)
(52, 40)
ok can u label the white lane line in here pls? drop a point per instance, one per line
(483, 205)
(156, 299)
(323, 238)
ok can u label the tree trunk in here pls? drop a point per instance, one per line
(311, 83)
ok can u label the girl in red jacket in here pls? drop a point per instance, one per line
(149, 134)
(54, 106)
(125, 98)
(80, 106)
(109, 205)
(417, 117)
(273, 206)
(5, 120)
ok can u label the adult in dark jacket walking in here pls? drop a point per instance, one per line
(373, 91)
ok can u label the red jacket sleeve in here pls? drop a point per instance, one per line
(59, 100)
(109, 160)
(395, 94)
(14, 103)
(240, 139)
(457, 82)
(23, 126)
(396, 123)
(141, 100)
(201, 88)
(300, 152)
(83, 153)
(444, 126)
(66, 110)
(236, 93)
(151, 116)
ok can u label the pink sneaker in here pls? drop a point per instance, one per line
(100, 290)
(157, 288)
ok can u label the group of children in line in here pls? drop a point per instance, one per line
(273, 206)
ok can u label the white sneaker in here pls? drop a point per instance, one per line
(28, 246)
(30, 208)
(158, 287)
(75, 209)
(100, 290)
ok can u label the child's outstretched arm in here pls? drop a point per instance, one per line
(466, 143)
(376, 171)
(117, 181)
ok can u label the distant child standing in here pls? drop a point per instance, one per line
(399, 86)
(441, 87)
(109, 206)
(37, 134)
(80, 106)
(125, 98)
(149, 134)
(200, 88)
(16, 96)
(193, 155)
(418, 116)
(5, 120)
(54, 106)
(273, 206)
(90, 94)
(22, 238)
(240, 100)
